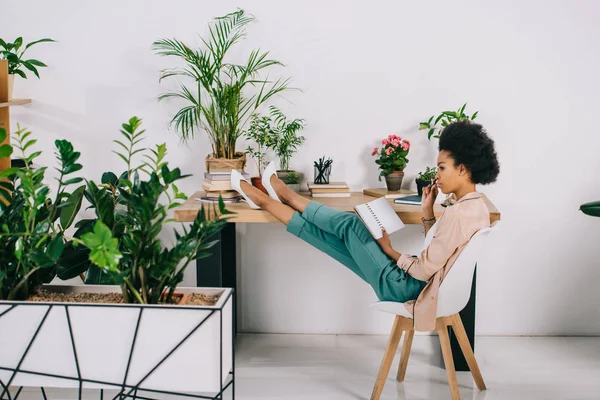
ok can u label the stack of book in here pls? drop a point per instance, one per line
(219, 184)
(333, 189)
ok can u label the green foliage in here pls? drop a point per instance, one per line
(445, 118)
(393, 155)
(286, 141)
(123, 242)
(592, 209)
(428, 175)
(219, 102)
(261, 133)
(276, 133)
(14, 53)
(32, 241)
(292, 178)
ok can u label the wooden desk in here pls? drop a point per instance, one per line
(219, 270)
(409, 214)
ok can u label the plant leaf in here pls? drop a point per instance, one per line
(104, 249)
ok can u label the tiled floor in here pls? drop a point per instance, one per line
(343, 367)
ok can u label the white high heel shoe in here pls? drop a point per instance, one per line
(270, 170)
(236, 178)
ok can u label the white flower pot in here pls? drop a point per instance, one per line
(104, 336)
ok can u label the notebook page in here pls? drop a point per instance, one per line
(379, 213)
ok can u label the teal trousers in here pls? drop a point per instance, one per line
(344, 237)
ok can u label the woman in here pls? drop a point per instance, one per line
(466, 157)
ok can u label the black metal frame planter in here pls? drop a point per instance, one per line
(141, 351)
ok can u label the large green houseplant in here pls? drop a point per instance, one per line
(122, 241)
(14, 53)
(32, 225)
(224, 95)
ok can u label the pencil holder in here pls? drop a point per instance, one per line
(322, 175)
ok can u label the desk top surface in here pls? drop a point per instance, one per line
(409, 214)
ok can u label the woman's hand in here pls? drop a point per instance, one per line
(430, 193)
(385, 241)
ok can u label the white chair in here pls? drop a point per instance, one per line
(453, 297)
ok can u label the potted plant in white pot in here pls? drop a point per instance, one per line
(220, 101)
(14, 53)
(139, 336)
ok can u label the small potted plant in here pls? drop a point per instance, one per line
(392, 160)
(14, 53)
(424, 178)
(292, 180)
(446, 118)
(260, 132)
(285, 140)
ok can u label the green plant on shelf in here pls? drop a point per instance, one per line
(14, 53)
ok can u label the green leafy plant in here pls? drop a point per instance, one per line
(261, 133)
(445, 118)
(392, 156)
(32, 225)
(14, 53)
(428, 174)
(219, 101)
(285, 140)
(592, 209)
(122, 242)
(292, 178)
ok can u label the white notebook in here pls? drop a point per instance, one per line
(379, 214)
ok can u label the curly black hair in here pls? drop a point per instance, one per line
(469, 144)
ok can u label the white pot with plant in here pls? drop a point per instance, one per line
(14, 53)
(286, 141)
(224, 95)
(144, 332)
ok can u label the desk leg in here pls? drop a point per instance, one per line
(219, 269)
(468, 318)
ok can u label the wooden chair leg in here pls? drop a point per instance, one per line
(465, 346)
(388, 358)
(442, 331)
(408, 339)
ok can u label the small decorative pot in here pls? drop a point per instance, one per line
(393, 181)
(257, 183)
(420, 185)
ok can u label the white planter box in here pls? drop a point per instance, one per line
(176, 349)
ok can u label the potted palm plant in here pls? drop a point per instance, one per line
(14, 52)
(224, 95)
(143, 329)
(285, 141)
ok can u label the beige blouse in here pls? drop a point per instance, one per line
(460, 221)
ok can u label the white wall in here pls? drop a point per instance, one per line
(367, 69)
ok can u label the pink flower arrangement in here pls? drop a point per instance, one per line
(392, 156)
